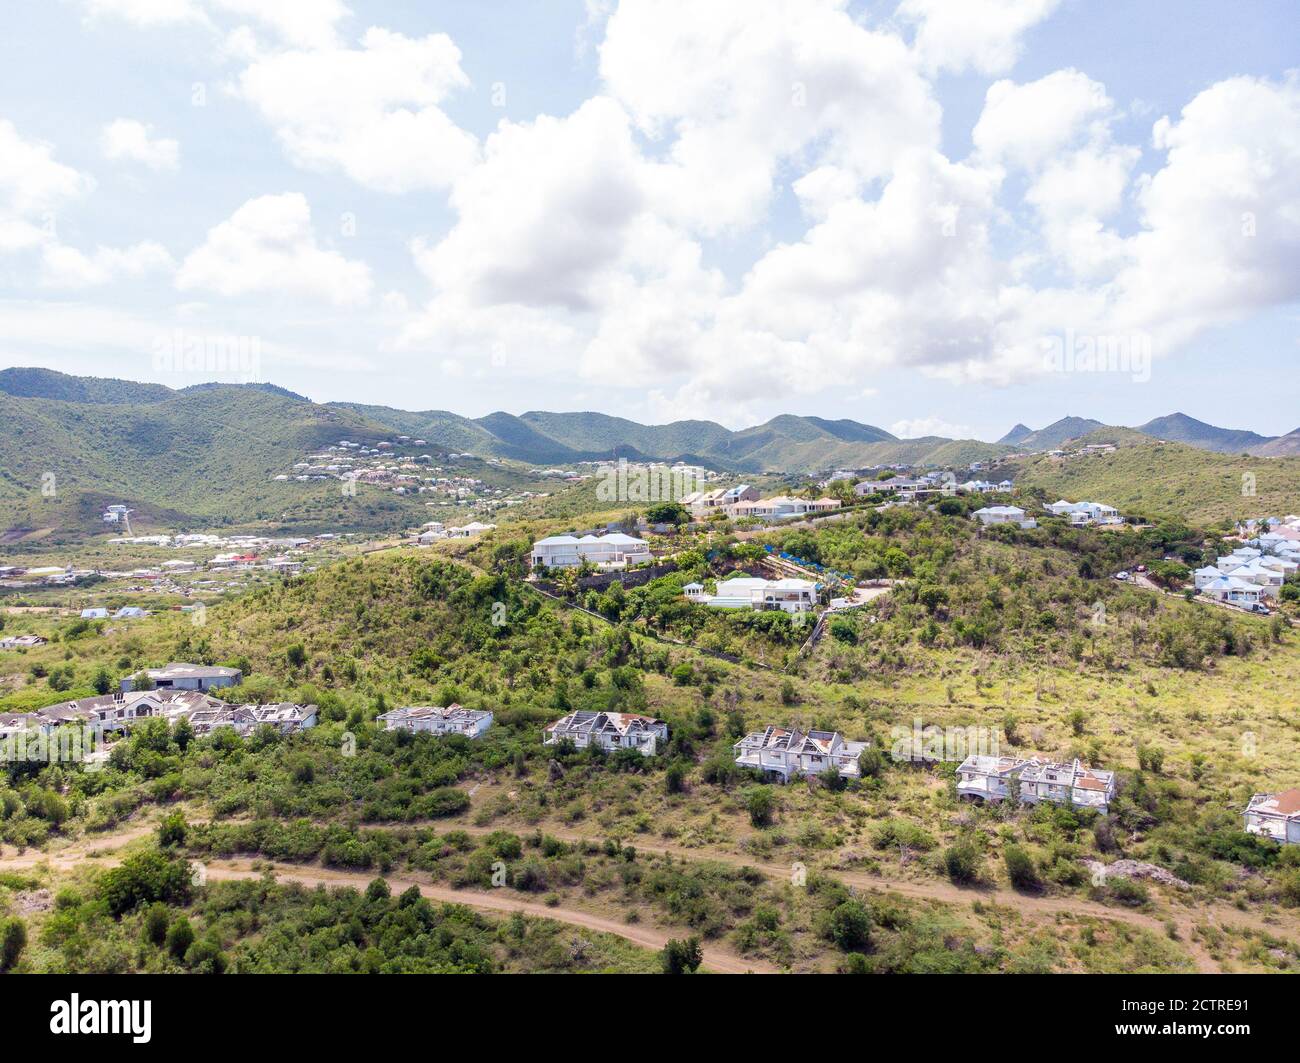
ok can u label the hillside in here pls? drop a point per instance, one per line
(204, 455)
(48, 384)
(1179, 428)
(1169, 480)
(1282, 446)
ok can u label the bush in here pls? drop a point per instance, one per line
(180, 937)
(1021, 869)
(13, 939)
(760, 803)
(961, 861)
(850, 926)
(682, 957)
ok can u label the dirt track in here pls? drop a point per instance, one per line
(716, 958)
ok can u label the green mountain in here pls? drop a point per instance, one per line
(1055, 434)
(1179, 428)
(200, 456)
(1017, 435)
(48, 384)
(784, 444)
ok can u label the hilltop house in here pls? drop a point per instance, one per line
(435, 719)
(786, 753)
(1082, 513)
(285, 717)
(608, 730)
(176, 676)
(1275, 816)
(987, 778)
(1233, 591)
(612, 551)
(748, 592)
(14, 642)
(1004, 515)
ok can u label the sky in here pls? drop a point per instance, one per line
(935, 216)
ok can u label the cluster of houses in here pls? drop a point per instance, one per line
(118, 712)
(986, 778)
(435, 531)
(127, 612)
(910, 489)
(1250, 574)
(744, 501)
(749, 592)
(610, 731)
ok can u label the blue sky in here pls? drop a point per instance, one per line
(884, 211)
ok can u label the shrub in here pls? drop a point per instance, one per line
(682, 957)
(1021, 868)
(961, 861)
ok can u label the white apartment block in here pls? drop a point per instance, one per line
(1081, 513)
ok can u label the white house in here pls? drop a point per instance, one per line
(469, 531)
(1275, 816)
(1080, 513)
(789, 752)
(1233, 591)
(608, 730)
(1004, 515)
(176, 676)
(611, 551)
(1203, 577)
(750, 592)
(988, 778)
(435, 719)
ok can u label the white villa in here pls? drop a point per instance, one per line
(612, 551)
(1081, 513)
(1275, 816)
(1234, 591)
(787, 753)
(609, 730)
(750, 592)
(782, 507)
(469, 531)
(1004, 515)
(987, 778)
(435, 719)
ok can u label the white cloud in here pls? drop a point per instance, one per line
(66, 267)
(303, 23)
(127, 139)
(981, 35)
(146, 13)
(268, 247)
(371, 112)
(738, 87)
(920, 427)
(31, 181)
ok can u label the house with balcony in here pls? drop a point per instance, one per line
(612, 551)
(1067, 784)
(438, 720)
(1032, 781)
(608, 730)
(987, 778)
(1275, 816)
(786, 753)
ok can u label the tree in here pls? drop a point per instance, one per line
(682, 957)
(667, 513)
(760, 803)
(154, 927)
(171, 831)
(103, 682)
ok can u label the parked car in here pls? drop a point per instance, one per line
(1122, 575)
